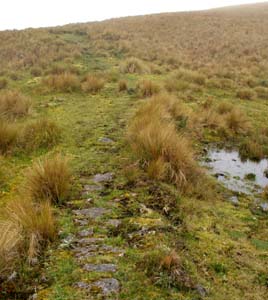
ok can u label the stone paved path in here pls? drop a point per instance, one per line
(89, 246)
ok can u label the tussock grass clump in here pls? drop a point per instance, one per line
(133, 65)
(13, 104)
(191, 76)
(162, 152)
(237, 121)
(49, 179)
(147, 88)
(246, 94)
(10, 240)
(8, 136)
(224, 108)
(92, 84)
(3, 83)
(65, 82)
(262, 92)
(122, 85)
(251, 149)
(42, 133)
(26, 227)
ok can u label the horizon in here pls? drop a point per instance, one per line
(46, 14)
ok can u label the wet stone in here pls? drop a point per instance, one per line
(98, 178)
(100, 268)
(86, 232)
(91, 213)
(108, 286)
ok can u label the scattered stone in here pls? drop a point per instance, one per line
(114, 223)
(82, 285)
(89, 241)
(86, 232)
(81, 222)
(234, 200)
(100, 268)
(67, 242)
(92, 188)
(98, 178)
(201, 290)
(264, 207)
(106, 140)
(108, 286)
(91, 213)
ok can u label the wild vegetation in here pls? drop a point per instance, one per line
(143, 98)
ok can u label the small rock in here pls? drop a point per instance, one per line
(100, 268)
(81, 222)
(107, 285)
(102, 177)
(234, 200)
(114, 223)
(86, 232)
(106, 140)
(92, 188)
(91, 213)
(264, 207)
(82, 285)
(201, 290)
(67, 242)
(12, 276)
(89, 241)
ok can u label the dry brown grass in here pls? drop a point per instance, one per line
(133, 65)
(153, 137)
(49, 179)
(237, 121)
(9, 247)
(246, 94)
(262, 92)
(8, 136)
(13, 104)
(251, 149)
(42, 133)
(65, 82)
(122, 85)
(224, 108)
(26, 227)
(92, 84)
(3, 83)
(147, 88)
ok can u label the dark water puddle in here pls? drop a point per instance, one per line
(247, 176)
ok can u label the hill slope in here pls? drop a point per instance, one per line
(134, 104)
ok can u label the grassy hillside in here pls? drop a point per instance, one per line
(142, 98)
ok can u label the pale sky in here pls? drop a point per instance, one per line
(18, 14)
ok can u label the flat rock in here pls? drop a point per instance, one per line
(105, 286)
(92, 188)
(234, 200)
(81, 222)
(113, 223)
(106, 140)
(86, 232)
(108, 286)
(100, 267)
(98, 178)
(91, 213)
(89, 241)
